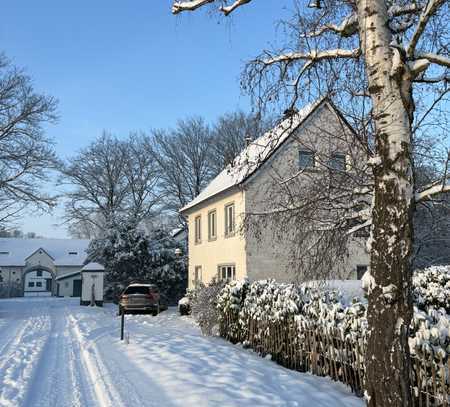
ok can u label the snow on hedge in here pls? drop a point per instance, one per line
(329, 309)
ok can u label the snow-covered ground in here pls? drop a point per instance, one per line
(55, 353)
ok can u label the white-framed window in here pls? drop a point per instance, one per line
(38, 283)
(212, 225)
(227, 272)
(229, 220)
(197, 275)
(39, 273)
(306, 159)
(31, 284)
(338, 162)
(198, 229)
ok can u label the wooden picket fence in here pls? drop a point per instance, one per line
(308, 347)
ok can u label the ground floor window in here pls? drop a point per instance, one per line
(360, 270)
(227, 272)
(197, 275)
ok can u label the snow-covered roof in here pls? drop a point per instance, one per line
(64, 252)
(67, 275)
(254, 155)
(93, 267)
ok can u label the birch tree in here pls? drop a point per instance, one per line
(389, 49)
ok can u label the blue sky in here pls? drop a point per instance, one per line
(131, 65)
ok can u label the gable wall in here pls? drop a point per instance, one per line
(268, 257)
(40, 258)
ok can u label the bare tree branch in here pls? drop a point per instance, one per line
(425, 16)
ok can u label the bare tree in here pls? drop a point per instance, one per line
(390, 50)
(142, 177)
(98, 184)
(231, 133)
(110, 181)
(183, 155)
(26, 155)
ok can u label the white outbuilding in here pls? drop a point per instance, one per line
(92, 284)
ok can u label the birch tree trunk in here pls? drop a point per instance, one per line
(390, 306)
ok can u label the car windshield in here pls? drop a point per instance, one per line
(136, 290)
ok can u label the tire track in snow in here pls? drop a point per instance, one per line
(19, 362)
(106, 395)
(108, 372)
(61, 367)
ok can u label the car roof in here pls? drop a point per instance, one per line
(141, 285)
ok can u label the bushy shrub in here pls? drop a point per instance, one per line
(204, 306)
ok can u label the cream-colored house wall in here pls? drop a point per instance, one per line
(267, 256)
(223, 250)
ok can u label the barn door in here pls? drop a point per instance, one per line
(76, 288)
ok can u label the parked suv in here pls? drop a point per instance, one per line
(140, 297)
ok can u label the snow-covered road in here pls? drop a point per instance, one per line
(55, 353)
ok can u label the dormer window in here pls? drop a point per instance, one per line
(306, 159)
(73, 253)
(4, 253)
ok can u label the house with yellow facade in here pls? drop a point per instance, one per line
(218, 247)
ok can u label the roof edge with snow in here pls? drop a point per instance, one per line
(258, 152)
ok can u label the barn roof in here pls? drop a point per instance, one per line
(64, 252)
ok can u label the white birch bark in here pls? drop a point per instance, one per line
(390, 308)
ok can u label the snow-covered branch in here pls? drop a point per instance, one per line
(192, 5)
(349, 25)
(312, 56)
(346, 28)
(435, 59)
(433, 79)
(229, 9)
(425, 16)
(433, 189)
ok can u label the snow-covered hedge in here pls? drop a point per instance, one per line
(273, 302)
(432, 288)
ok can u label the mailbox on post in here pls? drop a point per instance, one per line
(92, 284)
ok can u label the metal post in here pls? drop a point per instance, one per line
(122, 323)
